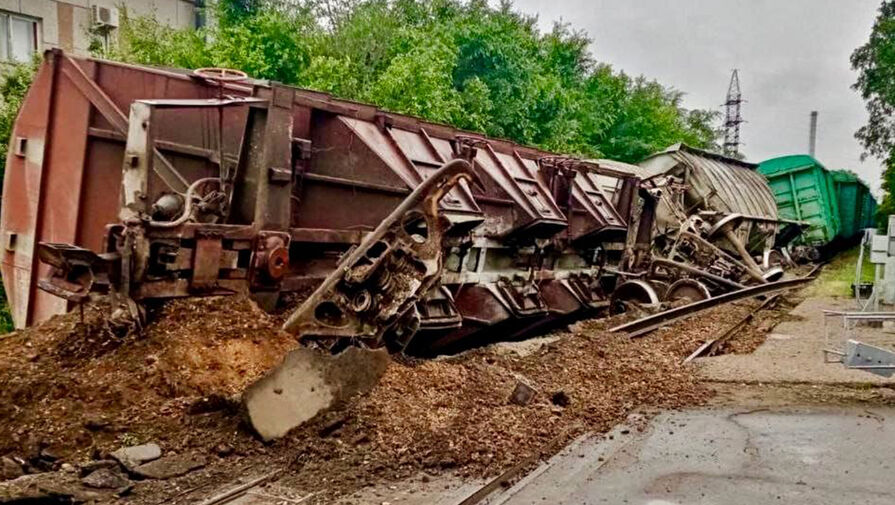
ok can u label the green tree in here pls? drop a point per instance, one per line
(466, 63)
(875, 64)
(14, 84)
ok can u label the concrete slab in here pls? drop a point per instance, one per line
(793, 351)
(793, 455)
(307, 383)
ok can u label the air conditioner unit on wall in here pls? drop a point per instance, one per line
(105, 17)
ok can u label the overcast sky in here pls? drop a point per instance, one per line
(792, 56)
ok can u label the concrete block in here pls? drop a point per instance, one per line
(307, 383)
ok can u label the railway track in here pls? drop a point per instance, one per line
(649, 323)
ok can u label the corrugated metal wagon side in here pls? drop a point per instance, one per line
(868, 210)
(803, 192)
(850, 200)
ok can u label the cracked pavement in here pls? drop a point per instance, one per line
(805, 455)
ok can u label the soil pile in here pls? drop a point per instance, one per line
(75, 388)
(454, 414)
(750, 335)
(81, 390)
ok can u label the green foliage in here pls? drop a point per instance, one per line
(464, 63)
(14, 83)
(266, 43)
(6, 323)
(837, 277)
(875, 63)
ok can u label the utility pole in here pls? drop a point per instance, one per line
(812, 134)
(732, 117)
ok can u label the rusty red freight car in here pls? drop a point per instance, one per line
(244, 186)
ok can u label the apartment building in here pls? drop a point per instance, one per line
(29, 26)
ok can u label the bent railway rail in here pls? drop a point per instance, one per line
(649, 323)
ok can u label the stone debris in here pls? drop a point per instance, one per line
(9, 469)
(91, 466)
(48, 487)
(106, 478)
(170, 466)
(134, 456)
(522, 393)
(223, 450)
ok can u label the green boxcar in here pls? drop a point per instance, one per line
(857, 206)
(868, 210)
(850, 195)
(804, 192)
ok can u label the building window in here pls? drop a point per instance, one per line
(18, 37)
(201, 18)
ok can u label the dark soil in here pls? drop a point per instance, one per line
(81, 391)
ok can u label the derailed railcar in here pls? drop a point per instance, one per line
(149, 184)
(836, 205)
(721, 199)
(868, 210)
(158, 183)
(804, 192)
(850, 200)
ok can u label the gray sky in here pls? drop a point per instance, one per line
(792, 56)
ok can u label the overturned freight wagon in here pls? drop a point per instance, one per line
(716, 204)
(156, 183)
(149, 184)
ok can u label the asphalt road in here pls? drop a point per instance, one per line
(726, 456)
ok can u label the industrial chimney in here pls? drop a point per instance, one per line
(812, 135)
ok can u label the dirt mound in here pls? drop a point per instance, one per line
(454, 414)
(81, 390)
(76, 388)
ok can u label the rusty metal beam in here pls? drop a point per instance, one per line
(97, 97)
(109, 110)
(164, 145)
(696, 271)
(340, 181)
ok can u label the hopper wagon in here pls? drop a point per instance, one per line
(726, 199)
(144, 184)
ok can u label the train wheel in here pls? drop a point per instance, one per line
(687, 289)
(774, 258)
(639, 292)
